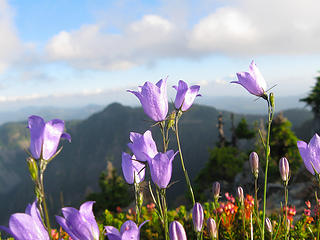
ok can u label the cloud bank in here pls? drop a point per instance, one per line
(243, 28)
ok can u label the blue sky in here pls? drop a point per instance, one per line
(78, 52)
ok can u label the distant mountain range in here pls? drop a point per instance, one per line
(49, 112)
(100, 138)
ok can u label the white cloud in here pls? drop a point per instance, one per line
(142, 41)
(11, 47)
(240, 28)
(260, 27)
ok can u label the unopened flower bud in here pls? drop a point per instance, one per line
(271, 98)
(284, 169)
(240, 194)
(176, 231)
(197, 217)
(212, 227)
(33, 168)
(171, 120)
(216, 190)
(254, 164)
(268, 225)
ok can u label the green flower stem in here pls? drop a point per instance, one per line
(138, 201)
(43, 165)
(257, 215)
(164, 212)
(267, 152)
(178, 115)
(216, 203)
(286, 213)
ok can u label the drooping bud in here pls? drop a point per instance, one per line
(216, 190)
(33, 168)
(268, 225)
(176, 231)
(284, 169)
(254, 164)
(240, 194)
(212, 227)
(197, 217)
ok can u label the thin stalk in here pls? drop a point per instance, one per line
(44, 203)
(286, 208)
(182, 162)
(165, 212)
(137, 195)
(257, 215)
(215, 203)
(267, 152)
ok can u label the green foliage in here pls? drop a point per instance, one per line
(313, 99)
(114, 191)
(243, 131)
(224, 163)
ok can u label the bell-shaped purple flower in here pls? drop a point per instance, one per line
(79, 224)
(142, 145)
(253, 81)
(185, 95)
(128, 231)
(132, 170)
(28, 225)
(310, 153)
(284, 169)
(197, 217)
(212, 227)
(161, 168)
(154, 99)
(176, 231)
(45, 136)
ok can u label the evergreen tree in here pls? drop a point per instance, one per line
(313, 100)
(114, 191)
(283, 143)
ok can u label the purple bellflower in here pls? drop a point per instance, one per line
(128, 231)
(45, 136)
(132, 170)
(79, 224)
(253, 81)
(197, 217)
(185, 95)
(310, 153)
(142, 145)
(176, 231)
(28, 225)
(161, 168)
(154, 99)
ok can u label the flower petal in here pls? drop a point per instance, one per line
(23, 227)
(86, 212)
(36, 125)
(63, 223)
(112, 233)
(132, 169)
(128, 225)
(51, 137)
(142, 145)
(304, 152)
